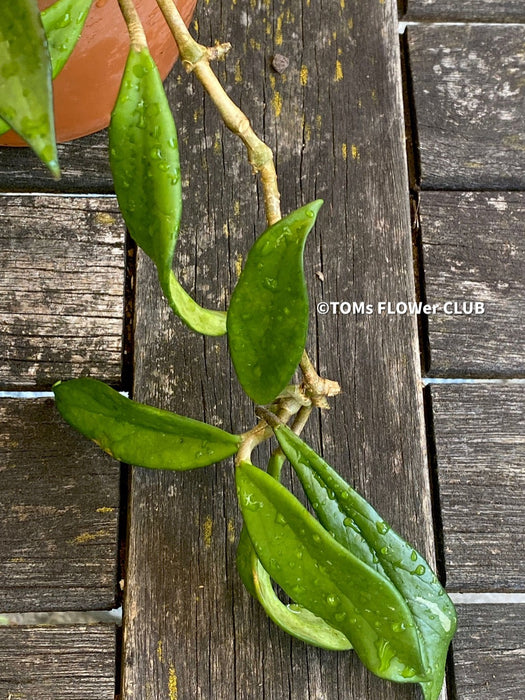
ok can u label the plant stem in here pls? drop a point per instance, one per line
(136, 31)
(196, 58)
(315, 387)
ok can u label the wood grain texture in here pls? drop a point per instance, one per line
(61, 663)
(474, 251)
(469, 95)
(59, 499)
(480, 447)
(334, 118)
(84, 164)
(466, 10)
(489, 652)
(61, 290)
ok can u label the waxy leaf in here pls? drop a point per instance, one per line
(268, 313)
(26, 97)
(137, 434)
(293, 618)
(324, 577)
(356, 525)
(144, 159)
(63, 23)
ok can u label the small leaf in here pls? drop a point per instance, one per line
(327, 579)
(268, 314)
(63, 22)
(26, 98)
(144, 158)
(356, 525)
(137, 434)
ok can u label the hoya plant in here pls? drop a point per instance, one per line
(351, 581)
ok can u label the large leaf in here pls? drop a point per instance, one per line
(26, 98)
(144, 158)
(268, 313)
(324, 577)
(355, 524)
(137, 434)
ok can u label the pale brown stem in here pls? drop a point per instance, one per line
(315, 387)
(196, 58)
(136, 31)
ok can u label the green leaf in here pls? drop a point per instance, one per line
(293, 618)
(327, 579)
(268, 314)
(144, 159)
(26, 97)
(63, 23)
(137, 434)
(355, 524)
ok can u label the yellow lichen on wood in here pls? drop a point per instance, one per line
(238, 73)
(355, 152)
(89, 537)
(172, 684)
(231, 531)
(338, 71)
(207, 531)
(236, 207)
(105, 509)
(159, 651)
(304, 75)
(344, 150)
(103, 217)
(279, 31)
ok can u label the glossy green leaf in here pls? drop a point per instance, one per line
(355, 524)
(137, 434)
(26, 97)
(144, 158)
(268, 313)
(293, 618)
(63, 23)
(324, 577)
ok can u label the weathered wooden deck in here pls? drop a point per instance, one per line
(442, 461)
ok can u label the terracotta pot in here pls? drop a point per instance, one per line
(86, 89)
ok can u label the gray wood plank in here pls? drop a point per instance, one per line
(489, 652)
(469, 103)
(61, 289)
(334, 118)
(59, 499)
(84, 164)
(57, 663)
(466, 10)
(480, 447)
(474, 252)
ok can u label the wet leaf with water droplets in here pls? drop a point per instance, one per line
(358, 527)
(268, 314)
(144, 160)
(328, 580)
(26, 97)
(137, 434)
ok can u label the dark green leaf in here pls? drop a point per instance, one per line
(26, 98)
(327, 579)
(137, 434)
(144, 158)
(355, 524)
(268, 314)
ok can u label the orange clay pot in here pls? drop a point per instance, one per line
(86, 89)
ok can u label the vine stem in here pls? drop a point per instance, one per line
(137, 36)
(196, 58)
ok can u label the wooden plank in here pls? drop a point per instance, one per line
(466, 10)
(480, 447)
(84, 164)
(57, 663)
(332, 116)
(474, 251)
(468, 96)
(489, 652)
(61, 291)
(59, 513)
